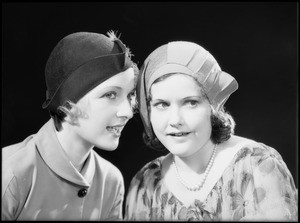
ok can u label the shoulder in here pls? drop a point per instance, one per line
(257, 157)
(150, 169)
(107, 170)
(253, 149)
(142, 188)
(18, 157)
(148, 177)
(9, 152)
(18, 162)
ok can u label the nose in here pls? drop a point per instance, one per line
(175, 118)
(125, 110)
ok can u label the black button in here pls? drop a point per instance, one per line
(82, 192)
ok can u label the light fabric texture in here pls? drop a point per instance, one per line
(255, 186)
(40, 183)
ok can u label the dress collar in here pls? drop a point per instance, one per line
(55, 157)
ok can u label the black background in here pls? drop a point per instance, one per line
(255, 42)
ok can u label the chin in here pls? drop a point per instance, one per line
(180, 151)
(111, 146)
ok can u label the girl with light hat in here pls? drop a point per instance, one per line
(55, 174)
(209, 173)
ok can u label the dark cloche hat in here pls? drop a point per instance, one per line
(80, 62)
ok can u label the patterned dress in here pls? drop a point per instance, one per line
(256, 185)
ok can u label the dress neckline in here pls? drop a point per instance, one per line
(224, 158)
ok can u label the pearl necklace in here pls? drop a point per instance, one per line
(200, 185)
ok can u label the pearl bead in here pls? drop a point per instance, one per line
(203, 178)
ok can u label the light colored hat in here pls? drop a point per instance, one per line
(187, 58)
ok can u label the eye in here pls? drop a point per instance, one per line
(192, 103)
(110, 95)
(160, 105)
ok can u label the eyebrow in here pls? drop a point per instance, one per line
(185, 98)
(110, 88)
(191, 97)
(157, 100)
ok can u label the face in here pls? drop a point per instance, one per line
(180, 115)
(106, 109)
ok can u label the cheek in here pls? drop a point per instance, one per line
(101, 111)
(199, 120)
(157, 121)
(99, 117)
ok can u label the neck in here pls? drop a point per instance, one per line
(198, 161)
(75, 147)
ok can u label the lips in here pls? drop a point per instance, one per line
(116, 129)
(178, 134)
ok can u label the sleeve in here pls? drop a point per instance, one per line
(116, 213)
(137, 201)
(272, 194)
(10, 196)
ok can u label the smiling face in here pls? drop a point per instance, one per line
(180, 115)
(106, 109)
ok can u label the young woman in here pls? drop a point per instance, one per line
(210, 173)
(55, 174)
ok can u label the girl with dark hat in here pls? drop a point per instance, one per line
(55, 174)
(209, 173)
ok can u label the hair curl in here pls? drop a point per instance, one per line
(69, 109)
